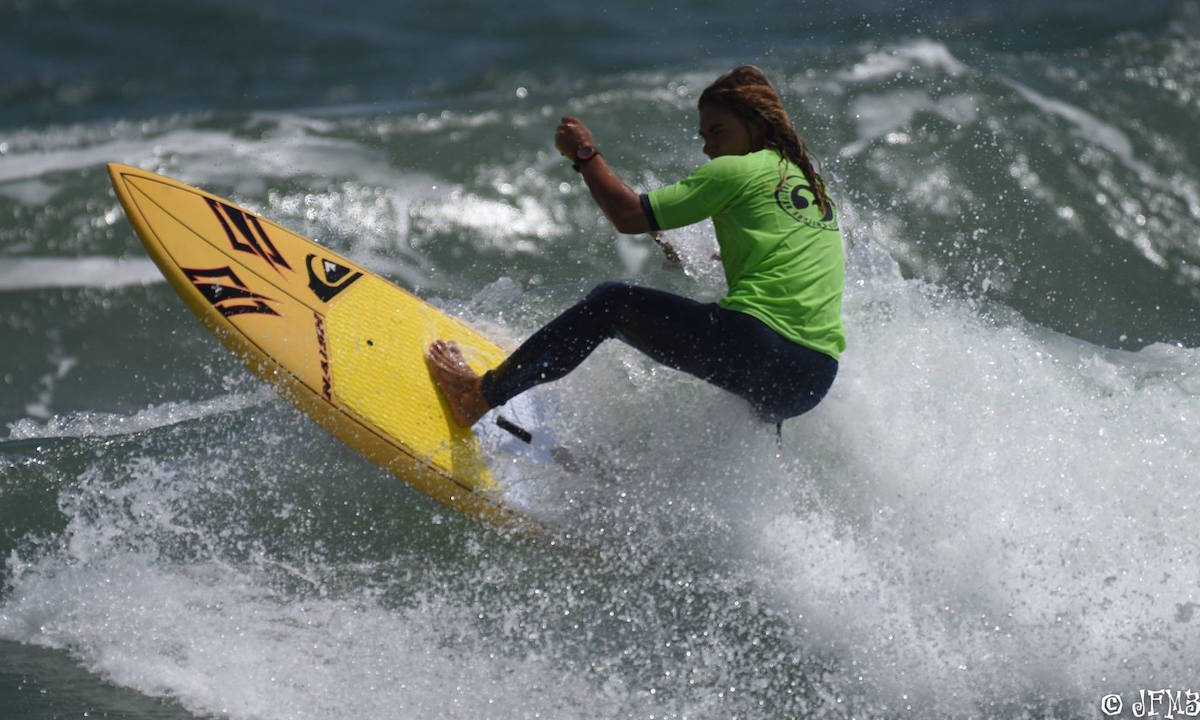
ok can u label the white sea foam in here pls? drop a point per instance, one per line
(247, 652)
(970, 518)
(915, 55)
(499, 224)
(42, 161)
(218, 638)
(374, 221)
(999, 499)
(33, 273)
(1127, 216)
(876, 115)
(100, 424)
(294, 146)
(1087, 125)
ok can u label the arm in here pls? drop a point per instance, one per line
(620, 204)
(617, 201)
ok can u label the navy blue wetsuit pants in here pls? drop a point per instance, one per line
(729, 349)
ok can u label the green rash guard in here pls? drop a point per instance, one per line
(783, 258)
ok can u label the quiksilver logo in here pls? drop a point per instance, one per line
(327, 278)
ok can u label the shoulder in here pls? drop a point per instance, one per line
(735, 168)
(740, 164)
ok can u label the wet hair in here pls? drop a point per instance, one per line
(746, 92)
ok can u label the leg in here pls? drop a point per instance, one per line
(780, 378)
(732, 350)
(666, 327)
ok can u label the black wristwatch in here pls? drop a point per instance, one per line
(583, 154)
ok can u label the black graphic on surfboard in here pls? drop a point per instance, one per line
(323, 349)
(326, 278)
(230, 299)
(249, 236)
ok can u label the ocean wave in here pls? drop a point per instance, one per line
(36, 273)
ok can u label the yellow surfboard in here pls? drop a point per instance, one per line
(341, 343)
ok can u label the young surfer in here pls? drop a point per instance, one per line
(776, 336)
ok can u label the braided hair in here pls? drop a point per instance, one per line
(746, 92)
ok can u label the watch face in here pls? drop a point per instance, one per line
(585, 152)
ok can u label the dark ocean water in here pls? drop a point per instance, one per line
(990, 516)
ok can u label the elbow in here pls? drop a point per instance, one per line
(631, 221)
(631, 227)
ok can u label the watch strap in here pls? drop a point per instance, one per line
(582, 157)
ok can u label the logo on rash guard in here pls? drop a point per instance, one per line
(796, 198)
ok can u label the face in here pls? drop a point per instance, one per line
(723, 132)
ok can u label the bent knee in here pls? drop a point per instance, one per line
(609, 290)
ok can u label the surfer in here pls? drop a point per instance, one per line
(776, 336)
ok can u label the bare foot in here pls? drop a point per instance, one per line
(459, 384)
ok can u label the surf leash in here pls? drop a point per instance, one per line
(668, 250)
(516, 430)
